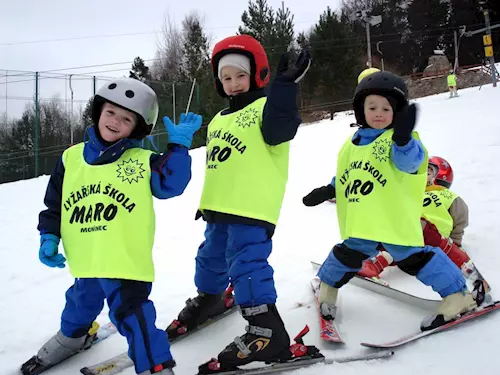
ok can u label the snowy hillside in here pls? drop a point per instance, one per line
(464, 130)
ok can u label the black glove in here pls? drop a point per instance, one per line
(404, 122)
(319, 195)
(294, 73)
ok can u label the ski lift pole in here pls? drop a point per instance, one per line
(381, 54)
(194, 84)
(191, 94)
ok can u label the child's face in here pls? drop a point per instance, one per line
(431, 173)
(234, 81)
(116, 123)
(378, 112)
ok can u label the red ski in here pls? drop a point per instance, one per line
(418, 335)
(328, 328)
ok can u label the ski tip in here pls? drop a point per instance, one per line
(374, 346)
(333, 341)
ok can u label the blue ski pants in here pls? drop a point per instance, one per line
(130, 310)
(236, 254)
(429, 264)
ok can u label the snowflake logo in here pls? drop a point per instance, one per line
(130, 171)
(446, 194)
(381, 149)
(247, 118)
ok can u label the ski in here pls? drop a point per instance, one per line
(34, 366)
(328, 329)
(387, 291)
(480, 311)
(302, 356)
(122, 361)
(303, 362)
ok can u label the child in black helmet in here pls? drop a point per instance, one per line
(380, 182)
(100, 204)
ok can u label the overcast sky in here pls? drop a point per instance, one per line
(29, 30)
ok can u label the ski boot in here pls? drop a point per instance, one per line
(450, 308)
(265, 340)
(299, 354)
(198, 310)
(57, 349)
(476, 283)
(162, 369)
(327, 299)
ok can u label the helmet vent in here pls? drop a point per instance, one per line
(112, 86)
(263, 73)
(129, 94)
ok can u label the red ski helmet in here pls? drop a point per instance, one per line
(249, 47)
(444, 175)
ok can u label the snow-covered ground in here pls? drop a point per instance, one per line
(464, 130)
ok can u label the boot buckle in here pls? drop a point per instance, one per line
(254, 310)
(242, 346)
(259, 331)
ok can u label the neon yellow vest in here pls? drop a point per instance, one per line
(244, 176)
(107, 216)
(375, 200)
(452, 80)
(436, 209)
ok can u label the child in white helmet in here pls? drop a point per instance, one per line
(100, 204)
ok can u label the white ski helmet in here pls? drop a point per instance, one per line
(132, 95)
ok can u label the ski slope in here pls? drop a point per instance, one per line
(463, 130)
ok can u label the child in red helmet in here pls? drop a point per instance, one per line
(445, 209)
(248, 147)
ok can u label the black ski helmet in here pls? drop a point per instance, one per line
(380, 83)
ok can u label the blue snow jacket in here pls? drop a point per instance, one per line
(171, 172)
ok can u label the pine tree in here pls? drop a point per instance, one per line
(428, 23)
(195, 46)
(87, 113)
(337, 60)
(274, 30)
(139, 70)
(392, 32)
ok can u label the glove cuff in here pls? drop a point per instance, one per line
(400, 140)
(49, 237)
(180, 140)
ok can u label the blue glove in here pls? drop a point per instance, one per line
(182, 134)
(48, 251)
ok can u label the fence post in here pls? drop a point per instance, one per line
(198, 109)
(37, 123)
(173, 102)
